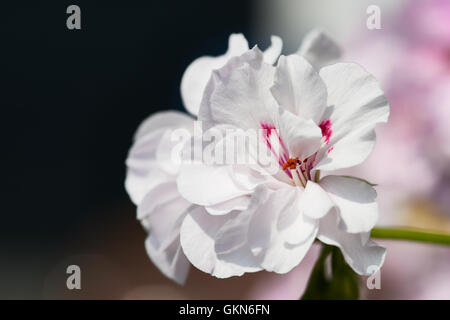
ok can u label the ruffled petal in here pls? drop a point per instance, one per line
(364, 256)
(238, 203)
(171, 261)
(356, 104)
(355, 201)
(148, 162)
(161, 212)
(319, 49)
(143, 171)
(163, 120)
(268, 237)
(299, 88)
(302, 137)
(315, 201)
(198, 233)
(197, 74)
(238, 94)
(208, 185)
(272, 53)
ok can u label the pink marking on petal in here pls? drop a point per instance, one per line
(325, 126)
(331, 149)
(268, 130)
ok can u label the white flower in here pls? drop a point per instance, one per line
(247, 220)
(152, 171)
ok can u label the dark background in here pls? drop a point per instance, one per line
(71, 100)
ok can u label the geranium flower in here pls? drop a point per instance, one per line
(152, 171)
(321, 121)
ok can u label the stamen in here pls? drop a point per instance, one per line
(296, 169)
(296, 177)
(291, 163)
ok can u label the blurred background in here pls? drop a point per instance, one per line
(72, 99)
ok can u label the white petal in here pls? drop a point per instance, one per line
(163, 120)
(198, 232)
(161, 212)
(299, 88)
(355, 200)
(272, 53)
(162, 209)
(319, 49)
(356, 104)
(144, 170)
(238, 203)
(208, 185)
(197, 74)
(295, 225)
(234, 234)
(282, 257)
(313, 204)
(269, 241)
(169, 153)
(238, 94)
(237, 45)
(315, 201)
(172, 262)
(301, 136)
(363, 257)
(301, 230)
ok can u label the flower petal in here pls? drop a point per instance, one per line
(163, 120)
(238, 203)
(197, 74)
(299, 88)
(233, 235)
(272, 53)
(238, 93)
(198, 233)
(208, 185)
(363, 257)
(171, 262)
(161, 209)
(144, 169)
(319, 49)
(161, 212)
(355, 201)
(356, 104)
(302, 137)
(268, 240)
(315, 201)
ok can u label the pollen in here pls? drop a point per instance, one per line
(291, 163)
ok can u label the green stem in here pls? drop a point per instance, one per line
(411, 234)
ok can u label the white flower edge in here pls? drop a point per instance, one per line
(197, 74)
(151, 184)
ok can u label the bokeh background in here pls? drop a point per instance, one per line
(71, 101)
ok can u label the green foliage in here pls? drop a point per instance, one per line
(342, 283)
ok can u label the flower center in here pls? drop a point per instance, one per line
(299, 171)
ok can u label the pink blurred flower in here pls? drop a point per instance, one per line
(411, 58)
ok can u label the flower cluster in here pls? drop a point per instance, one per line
(227, 219)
